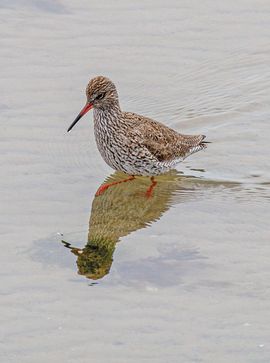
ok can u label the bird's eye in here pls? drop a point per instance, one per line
(100, 96)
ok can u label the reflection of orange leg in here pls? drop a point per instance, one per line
(149, 191)
(104, 187)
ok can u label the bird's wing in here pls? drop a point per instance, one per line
(161, 141)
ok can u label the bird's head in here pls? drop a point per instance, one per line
(101, 93)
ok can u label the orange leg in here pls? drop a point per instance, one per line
(149, 192)
(104, 187)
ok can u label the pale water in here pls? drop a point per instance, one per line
(183, 276)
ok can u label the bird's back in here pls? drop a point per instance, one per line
(163, 142)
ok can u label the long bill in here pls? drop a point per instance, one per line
(86, 108)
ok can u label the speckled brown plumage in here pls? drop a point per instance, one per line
(131, 143)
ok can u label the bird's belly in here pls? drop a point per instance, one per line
(130, 159)
(123, 158)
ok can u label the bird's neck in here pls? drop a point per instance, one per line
(108, 115)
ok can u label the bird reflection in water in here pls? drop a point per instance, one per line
(117, 212)
(125, 208)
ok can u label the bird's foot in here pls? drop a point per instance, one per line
(104, 187)
(149, 192)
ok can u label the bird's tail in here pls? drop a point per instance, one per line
(197, 144)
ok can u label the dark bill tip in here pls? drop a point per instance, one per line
(74, 122)
(86, 108)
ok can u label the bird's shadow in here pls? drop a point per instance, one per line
(125, 208)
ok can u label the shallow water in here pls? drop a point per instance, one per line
(182, 276)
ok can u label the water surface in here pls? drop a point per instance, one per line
(182, 276)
